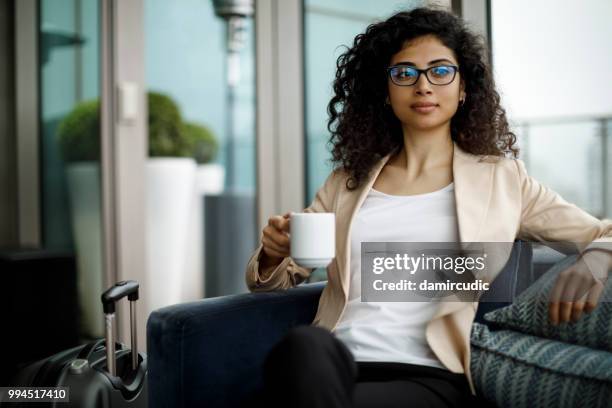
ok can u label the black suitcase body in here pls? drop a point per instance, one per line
(85, 369)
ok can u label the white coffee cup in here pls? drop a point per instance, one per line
(313, 239)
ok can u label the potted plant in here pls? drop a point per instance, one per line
(170, 175)
(171, 172)
(204, 148)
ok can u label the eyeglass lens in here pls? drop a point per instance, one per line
(406, 75)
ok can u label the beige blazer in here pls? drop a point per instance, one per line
(496, 201)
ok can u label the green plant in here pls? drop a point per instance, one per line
(79, 132)
(165, 128)
(202, 142)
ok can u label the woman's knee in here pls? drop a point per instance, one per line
(313, 345)
(307, 352)
(308, 336)
(302, 341)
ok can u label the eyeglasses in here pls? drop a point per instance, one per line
(407, 75)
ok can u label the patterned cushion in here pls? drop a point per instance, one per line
(517, 370)
(529, 314)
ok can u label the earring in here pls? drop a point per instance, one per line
(461, 102)
(387, 102)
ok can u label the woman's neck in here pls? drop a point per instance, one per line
(422, 152)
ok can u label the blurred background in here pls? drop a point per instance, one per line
(152, 139)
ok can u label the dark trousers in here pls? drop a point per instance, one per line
(311, 368)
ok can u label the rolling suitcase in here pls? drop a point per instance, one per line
(103, 373)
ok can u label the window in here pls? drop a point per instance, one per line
(562, 120)
(329, 26)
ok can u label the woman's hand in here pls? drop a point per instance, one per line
(579, 287)
(275, 238)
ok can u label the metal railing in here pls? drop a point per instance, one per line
(601, 123)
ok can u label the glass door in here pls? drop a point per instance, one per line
(201, 167)
(69, 72)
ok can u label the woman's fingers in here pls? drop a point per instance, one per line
(279, 222)
(593, 296)
(575, 291)
(275, 239)
(271, 245)
(272, 253)
(555, 297)
(279, 238)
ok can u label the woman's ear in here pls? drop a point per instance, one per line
(462, 93)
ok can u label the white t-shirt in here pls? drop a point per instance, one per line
(395, 331)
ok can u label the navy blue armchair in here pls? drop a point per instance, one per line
(210, 353)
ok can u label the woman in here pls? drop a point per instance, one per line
(421, 144)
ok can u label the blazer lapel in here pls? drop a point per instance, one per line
(473, 178)
(472, 181)
(348, 205)
(472, 184)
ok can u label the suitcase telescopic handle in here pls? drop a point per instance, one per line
(109, 298)
(117, 292)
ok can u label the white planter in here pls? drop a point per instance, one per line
(210, 178)
(170, 192)
(84, 194)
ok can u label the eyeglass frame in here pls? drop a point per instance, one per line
(423, 71)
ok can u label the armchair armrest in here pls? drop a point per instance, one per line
(514, 277)
(211, 352)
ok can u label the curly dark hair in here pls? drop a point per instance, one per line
(363, 130)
